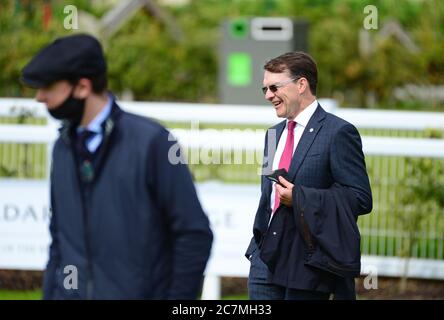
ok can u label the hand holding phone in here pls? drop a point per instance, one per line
(274, 176)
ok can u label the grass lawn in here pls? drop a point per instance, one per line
(37, 295)
(20, 295)
(236, 297)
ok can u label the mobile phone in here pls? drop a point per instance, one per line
(274, 176)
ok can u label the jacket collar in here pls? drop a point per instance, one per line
(67, 130)
(311, 131)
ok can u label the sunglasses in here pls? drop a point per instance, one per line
(274, 87)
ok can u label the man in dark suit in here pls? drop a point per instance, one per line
(126, 222)
(306, 241)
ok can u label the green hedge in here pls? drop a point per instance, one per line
(146, 59)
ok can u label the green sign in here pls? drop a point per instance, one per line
(239, 69)
(239, 28)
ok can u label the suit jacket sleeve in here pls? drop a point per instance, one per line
(176, 198)
(348, 166)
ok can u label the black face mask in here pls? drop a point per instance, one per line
(71, 109)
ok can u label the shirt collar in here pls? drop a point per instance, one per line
(96, 124)
(303, 117)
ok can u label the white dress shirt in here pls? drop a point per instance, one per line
(95, 126)
(301, 120)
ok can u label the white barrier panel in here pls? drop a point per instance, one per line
(24, 220)
(24, 236)
(394, 267)
(231, 209)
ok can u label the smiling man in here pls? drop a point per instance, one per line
(305, 241)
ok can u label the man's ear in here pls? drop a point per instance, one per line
(303, 85)
(83, 88)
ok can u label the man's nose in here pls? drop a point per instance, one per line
(40, 96)
(269, 95)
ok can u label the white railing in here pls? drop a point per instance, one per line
(245, 139)
(241, 139)
(242, 114)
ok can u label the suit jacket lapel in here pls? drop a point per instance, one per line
(279, 129)
(272, 151)
(309, 135)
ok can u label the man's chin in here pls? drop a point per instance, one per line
(280, 114)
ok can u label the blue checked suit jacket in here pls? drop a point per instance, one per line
(319, 231)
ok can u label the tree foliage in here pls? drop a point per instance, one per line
(145, 59)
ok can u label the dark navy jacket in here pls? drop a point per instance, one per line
(135, 228)
(315, 244)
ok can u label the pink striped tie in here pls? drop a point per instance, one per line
(285, 160)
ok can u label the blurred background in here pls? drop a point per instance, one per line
(384, 69)
(169, 52)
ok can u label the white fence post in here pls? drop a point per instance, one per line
(211, 288)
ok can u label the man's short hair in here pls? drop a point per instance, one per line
(99, 83)
(299, 64)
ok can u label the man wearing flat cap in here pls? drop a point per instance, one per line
(123, 215)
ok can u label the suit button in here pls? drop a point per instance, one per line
(274, 233)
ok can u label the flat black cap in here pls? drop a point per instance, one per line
(66, 58)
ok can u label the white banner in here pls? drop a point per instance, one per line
(24, 234)
(231, 210)
(24, 221)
